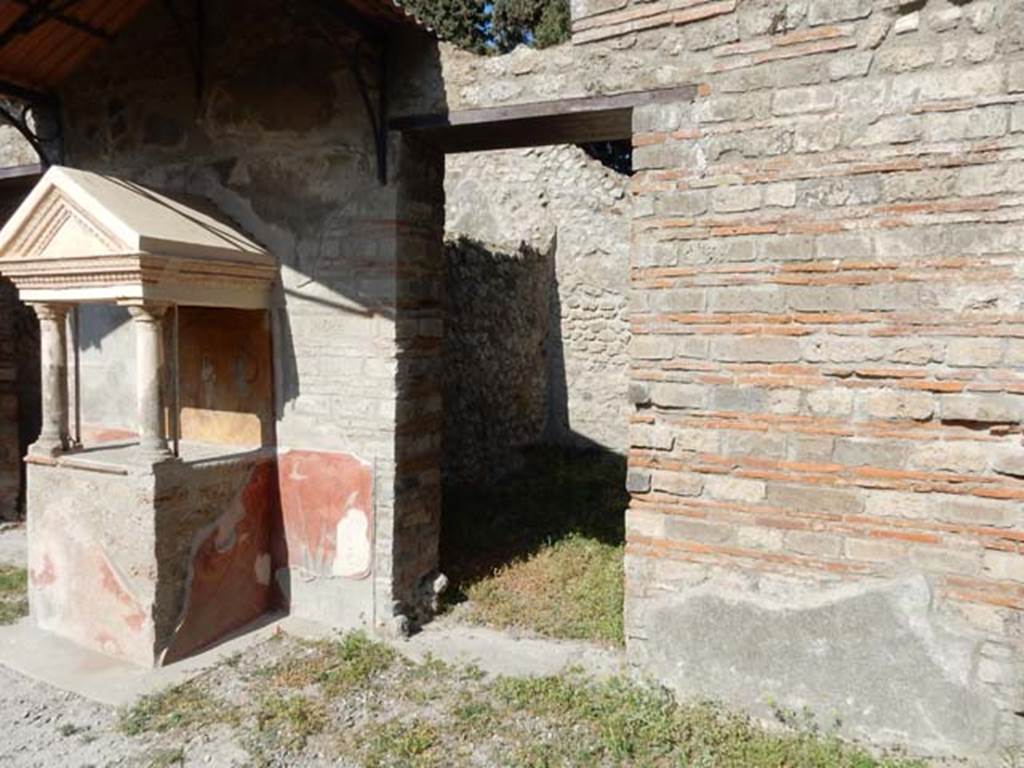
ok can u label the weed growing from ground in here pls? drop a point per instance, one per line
(181, 707)
(13, 594)
(357, 702)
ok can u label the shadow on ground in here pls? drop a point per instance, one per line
(541, 549)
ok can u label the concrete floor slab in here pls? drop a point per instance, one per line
(43, 656)
(47, 658)
(499, 653)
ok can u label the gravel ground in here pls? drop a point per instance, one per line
(13, 545)
(462, 697)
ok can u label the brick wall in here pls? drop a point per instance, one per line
(827, 373)
(826, 365)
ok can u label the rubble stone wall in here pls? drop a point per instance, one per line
(826, 459)
(10, 453)
(536, 337)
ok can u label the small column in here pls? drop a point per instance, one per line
(149, 361)
(54, 436)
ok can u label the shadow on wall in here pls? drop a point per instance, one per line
(29, 386)
(517, 477)
(505, 377)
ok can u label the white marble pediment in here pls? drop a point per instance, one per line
(83, 236)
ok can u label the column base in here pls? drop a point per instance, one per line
(47, 448)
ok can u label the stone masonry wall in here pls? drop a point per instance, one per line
(10, 454)
(826, 459)
(537, 335)
(281, 143)
(495, 368)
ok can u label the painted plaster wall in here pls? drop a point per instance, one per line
(226, 376)
(106, 363)
(825, 454)
(537, 335)
(280, 143)
(150, 566)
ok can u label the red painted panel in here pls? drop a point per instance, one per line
(327, 513)
(230, 577)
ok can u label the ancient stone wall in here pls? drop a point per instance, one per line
(10, 454)
(14, 149)
(826, 459)
(19, 356)
(536, 337)
(281, 142)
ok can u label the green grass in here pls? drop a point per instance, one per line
(392, 713)
(542, 549)
(166, 758)
(186, 706)
(287, 722)
(13, 594)
(623, 723)
(337, 665)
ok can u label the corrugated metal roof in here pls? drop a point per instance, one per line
(38, 52)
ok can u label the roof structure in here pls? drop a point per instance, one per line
(43, 41)
(85, 237)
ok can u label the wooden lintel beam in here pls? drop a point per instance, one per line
(541, 109)
(567, 121)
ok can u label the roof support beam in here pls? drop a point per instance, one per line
(35, 14)
(68, 21)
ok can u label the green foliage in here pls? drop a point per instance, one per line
(397, 743)
(393, 713)
(483, 27)
(166, 758)
(287, 722)
(540, 23)
(463, 22)
(623, 723)
(13, 597)
(571, 589)
(338, 665)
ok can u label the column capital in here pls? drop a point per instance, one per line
(48, 311)
(146, 312)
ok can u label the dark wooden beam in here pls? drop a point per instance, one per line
(567, 121)
(68, 21)
(24, 94)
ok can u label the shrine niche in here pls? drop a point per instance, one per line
(148, 538)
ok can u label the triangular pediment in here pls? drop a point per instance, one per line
(53, 227)
(106, 215)
(84, 236)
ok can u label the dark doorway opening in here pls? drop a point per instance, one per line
(535, 379)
